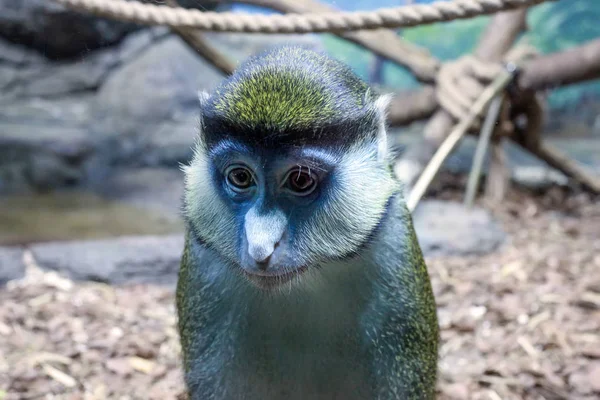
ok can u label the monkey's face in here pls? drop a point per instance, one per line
(276, 213)
(290, 172)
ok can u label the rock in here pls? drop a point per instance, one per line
(14, 54)
(159, 87)
(55, 31)
(448, 228)
(46, 123)
(39, 157)
(68, 111)
(11, 264)
(13, 59)
(25, 75)
(148, 108)
(157, 189)
(59, 33)
(143, 259)
(538, 177)
(55, 79)
(171, 143)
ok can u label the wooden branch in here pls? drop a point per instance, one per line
(198, 43)
(556, 159)
(450, 142)
(485, 137)
(500, 34)
(506, 25)
(383, 42)
(498, 178)
(409, 106)
(579, 64)
(575, 65)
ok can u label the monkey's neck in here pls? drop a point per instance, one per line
(325, 305)
(300, 344)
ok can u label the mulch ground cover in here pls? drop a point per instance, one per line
(520, 323)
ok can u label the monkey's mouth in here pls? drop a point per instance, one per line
(265, 280)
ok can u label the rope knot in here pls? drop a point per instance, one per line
(461, 82)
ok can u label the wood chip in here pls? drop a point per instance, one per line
(5, 330)
(502, 337)
(59, 376)
(527, 346)
(590, 300)
(142, 365)
(538, 319)
(44, 358)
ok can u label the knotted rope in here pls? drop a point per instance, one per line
(459, 83)
(396, 17)
(465, 89)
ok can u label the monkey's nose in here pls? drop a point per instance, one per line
(261, 254)
(264, 264)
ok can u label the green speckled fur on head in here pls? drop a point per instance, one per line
(290, 88)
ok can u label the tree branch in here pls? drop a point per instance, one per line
(506, 25)
(575, 65)
(196, 41)
(579, 64)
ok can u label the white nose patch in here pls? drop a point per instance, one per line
(263, 232)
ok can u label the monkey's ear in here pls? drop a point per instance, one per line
(381, 108)
(203, 97)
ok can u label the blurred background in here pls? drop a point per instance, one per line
(96, 116)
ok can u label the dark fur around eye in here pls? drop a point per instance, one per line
(301, 181)
(239, 178)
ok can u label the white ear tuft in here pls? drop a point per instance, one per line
(382, 103)
(203, 97)
(381, 106)
(184, 168)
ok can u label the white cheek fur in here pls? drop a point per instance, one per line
(353, 208)
(203, 206)
(351, 212)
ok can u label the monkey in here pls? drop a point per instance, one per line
(301, 276)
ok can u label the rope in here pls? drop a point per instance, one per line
(465, 88)
(397, 17)
(460, 130)
(460, 82)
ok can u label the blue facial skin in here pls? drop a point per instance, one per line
(270, 194)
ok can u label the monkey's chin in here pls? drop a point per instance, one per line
(265, 281)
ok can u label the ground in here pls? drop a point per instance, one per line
(520, 323)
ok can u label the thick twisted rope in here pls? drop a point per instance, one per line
(460, 82)
(461, 91)
(406, 16)
(460, 130)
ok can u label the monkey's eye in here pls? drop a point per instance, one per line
(239, 178)
(301, 181)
